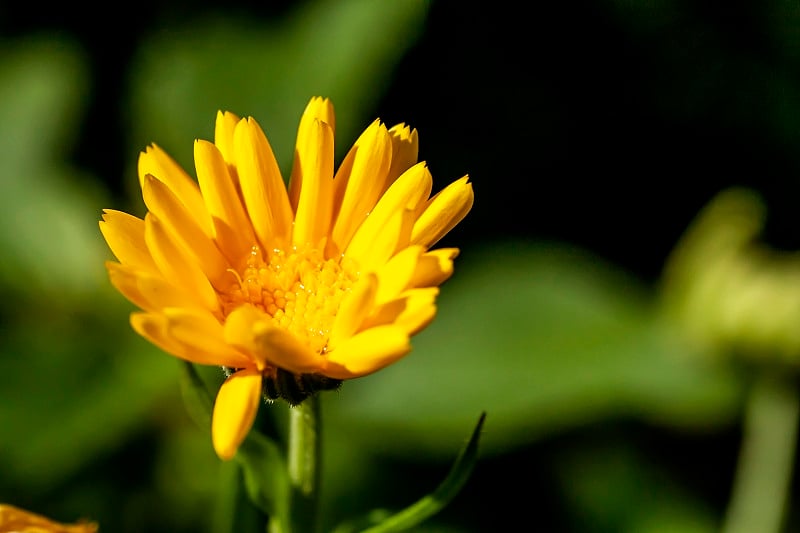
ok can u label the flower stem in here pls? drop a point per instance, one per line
(763, 474)
(304, 464)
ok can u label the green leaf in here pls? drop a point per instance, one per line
(265, 475)
(381, 521)
(48, 212)
(65, 404)
(546, 338)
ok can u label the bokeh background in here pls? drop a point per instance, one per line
(594, 133)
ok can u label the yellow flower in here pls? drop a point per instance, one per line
(16, 520)
(290, 289)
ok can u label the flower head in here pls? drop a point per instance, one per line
(16, 520)
(291, 289)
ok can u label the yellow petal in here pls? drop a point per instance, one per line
(375, 243)
(155, 328)
(443, 212)
(124, 234)
(409, 191)
(353, 310)
(251, 330)
(367, 352)
(434, 268)
(234, 233)
(155, 161)
(177, 264)
(223, 134)
(313, 166)
(395, 276)
(365, 183)
(149, 291)
(235, 411)
(262, 186)
(406, 193)
(200, 330)
(13, 519)
(411, 312)
(320, 109)
(183, 227)
(405, 150)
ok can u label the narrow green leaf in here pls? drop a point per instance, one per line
(429, 505)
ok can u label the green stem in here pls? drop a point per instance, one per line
(766, 459)
(304, 465)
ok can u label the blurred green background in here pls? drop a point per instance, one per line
(594, 132)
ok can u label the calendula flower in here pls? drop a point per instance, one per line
(291, 289)
(16, 520)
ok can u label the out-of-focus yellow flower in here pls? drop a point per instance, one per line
(290, 289)
(16, 520)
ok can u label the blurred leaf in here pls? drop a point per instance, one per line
(64, 407)
(265, 475)
(379, 521)
(543, 338)
(342, 49)
(189, 480)
(722, 276)
(76, 384)
(48, 213)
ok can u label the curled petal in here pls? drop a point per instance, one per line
(253, 331)
(200, 330)
(234, 233)
(177, 264)
(184, 228)
(395, 276)
(374, 244)
(412, 311)
(149, 291)
(446, 209)
(354, 309)
(124, 234)
(235, 411)
(367, 352)
(156, 328)
(155, 161)
(434, 268)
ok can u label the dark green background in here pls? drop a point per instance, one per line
(593, 132)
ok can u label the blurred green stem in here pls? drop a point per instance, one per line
(766, 459)
(304, 464)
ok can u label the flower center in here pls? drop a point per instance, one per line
(300, 289)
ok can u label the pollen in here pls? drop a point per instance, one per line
(300, 289)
